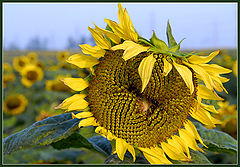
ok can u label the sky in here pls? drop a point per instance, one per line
(204, 25)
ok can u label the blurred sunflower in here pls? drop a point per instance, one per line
(33, 57)
(8, 78)
(62, 56)
(20, 62)
(31, 74)
(15, 104)
(141, 93)
(43, 114)
(234, 68)
(7, 67)
(57, 85)
(228, 115)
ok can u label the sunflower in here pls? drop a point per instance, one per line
(141, 93)
(31, 74)
(20, 62)
(15, 104)
(234, 68)
(33, 57)
(8, 78)
(43, 114)
(228, 115)
(7, 67)
(62, 56)
(57, 85)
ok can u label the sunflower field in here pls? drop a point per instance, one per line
(126, 100)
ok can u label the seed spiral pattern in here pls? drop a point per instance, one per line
(141, 119)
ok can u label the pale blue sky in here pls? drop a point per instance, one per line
(204, 25)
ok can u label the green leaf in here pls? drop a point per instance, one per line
(113, 159)
(170, 38)
(176, 47)
(217, 141)
(158, 43)
(197, 158)
(144, 41)
(96, 143)
(44, 132)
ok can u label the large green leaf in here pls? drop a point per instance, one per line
(44, 132)
(96, 143)
(217, 141)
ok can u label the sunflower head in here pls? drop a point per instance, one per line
(142, 92)
(32, 56)
(20, 62)
(8, 78)
(31, 74)
(62, 56)
(7, 67)
(15, 104)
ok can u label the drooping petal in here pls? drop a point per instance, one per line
(88, 122)
(82, 115)
(95, 51)
(204, 75)
(192, 129)
(173, 152)
(206, 93)
(176, 139)
(154, 155)
(68, 101)
(113, 37)
(215, 69)
(202, 59)
(145, 70)
(77, 84)
(186, 75)
(189, 139)
(167, 67)
(210, 108)
(132, 151)
(100, 39)
(203, 116)
(79, 104)
(131, 49)
(82, 61)
(116, 28)
(121, 148)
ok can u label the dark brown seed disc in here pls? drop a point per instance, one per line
(141, 119)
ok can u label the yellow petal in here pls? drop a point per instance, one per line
(68, 101)
(182, 145)
(100, 39)
(132, 151)
(83, 115)
(218, 84)
(167, 67)
(109, 34)
(210, 108)
(121, 148)
(203, 116)
(173, 152)
(116, 28)
(202, 59)
(192, 129)
(145, 70)
(102, 131)
(215, 69)
(204, 75)
(77, 84)
(95, 51)
(79, 104)
(186, 75)
(154, 155)
(206, 93)
(131, 49)
(82, 61)
(87, 122)
(189, 139)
